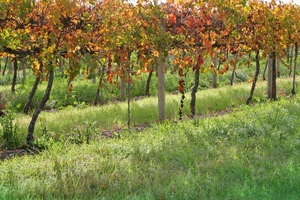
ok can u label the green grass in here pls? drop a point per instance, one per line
(72, 122)
(84, 91)
(252, 153)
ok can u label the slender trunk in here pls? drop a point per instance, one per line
(33, 90)
(30, 138)
(233, 70)
(31, 94)
(295, 67)
(272, 77)
(270, 63)
(161, 80)
(24, 71)
(288, 54)
(148, 83)
(214, 75)
(122, 89)
(5, 66)
(232, 76)
(278, 67)
(255, 77)
(265, 70)
(14, 80)
(97, 98)
(291, 61)
(194, 91)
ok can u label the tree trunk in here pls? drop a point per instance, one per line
(291, 61)
(295, 67)
(265, 70)
(278, 66)
(33, 90)
(214, 75)
(24, 71)
(288, 54)
(30, 138)
(233, 70)
(31, 94)
(97, 98)
(122, 89)
(232, 76)
(270, 63)
(272, 77)
(255, 77)
(5, 66)
(148, 83)
(15, 67)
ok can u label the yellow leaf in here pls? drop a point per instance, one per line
(156, 53)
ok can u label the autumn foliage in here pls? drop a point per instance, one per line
(104, 34)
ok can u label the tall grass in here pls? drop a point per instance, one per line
(144, 111)
(250, 154)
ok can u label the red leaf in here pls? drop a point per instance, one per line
(171, 19)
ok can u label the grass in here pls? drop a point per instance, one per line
(72, 122)
(84, 91)
(252, 153)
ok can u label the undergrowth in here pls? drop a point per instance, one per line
(252, 153)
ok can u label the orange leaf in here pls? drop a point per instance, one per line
(171, 19)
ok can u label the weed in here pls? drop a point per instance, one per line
(241, 155)
(46, 139)
(83, 134)
(9, 131)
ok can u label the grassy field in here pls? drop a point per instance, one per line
(78, 123)
(251, 152)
